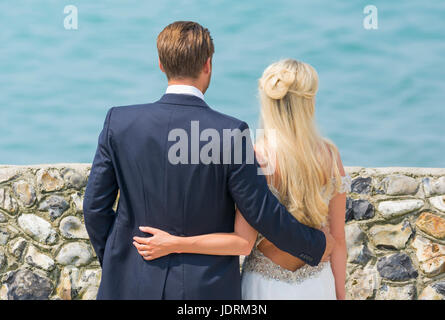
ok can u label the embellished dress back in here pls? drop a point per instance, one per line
(262, 279)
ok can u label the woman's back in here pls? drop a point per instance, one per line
(307, 173)
(268, 267)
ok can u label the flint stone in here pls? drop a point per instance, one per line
(85, 285)
(37, 228)
(25, 192)
(357, 250)
(359, 210)
(64, 289)
(434, 266)
(364, 255)
(78, 202)
(431, 256)
(361, 185)
(74, 179)
(17, 246)
(27, 285)
(354, 235)
(397, 267)
(433, 187)
(90, 277)
(78, 282)
(4, 236)
(362, 284)
(362, 209)
(55, 205)
(13, 231)
(427, 189)
(74, 253)
(387, 292)
(431, 224)
(7, 202)
(426, 249)
(7, 174)
(4, 292)
(440, 287)
(71, 228)
(391, 236)
(3, 261)
(438, 203)
(434, 292)
(390, 209)
(438, 186)
(349, 214)
(90, 293)
(400, 185)
(38, 259)
(49, 180)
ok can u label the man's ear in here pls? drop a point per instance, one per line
(160, 65)
(208, 66)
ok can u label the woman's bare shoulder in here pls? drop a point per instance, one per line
(334, 153)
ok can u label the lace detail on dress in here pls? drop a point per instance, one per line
(259, 263)
(345, 186)
(346, 182)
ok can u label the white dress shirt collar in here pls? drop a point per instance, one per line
(185, 89)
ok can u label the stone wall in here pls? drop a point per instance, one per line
(395, 228)
(44, 246)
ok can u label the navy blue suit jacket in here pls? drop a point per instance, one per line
(182, 199)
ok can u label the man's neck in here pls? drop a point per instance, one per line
(187, 82)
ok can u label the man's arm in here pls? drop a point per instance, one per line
(100, 193)
(265, 213)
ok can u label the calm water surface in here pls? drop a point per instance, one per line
(381, 96)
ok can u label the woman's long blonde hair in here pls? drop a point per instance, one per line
(307, 162)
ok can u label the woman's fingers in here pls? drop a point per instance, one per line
(148, 254)
(146, 248)
(142, 240)
(145, 253)
(142, 246)
(150, 230)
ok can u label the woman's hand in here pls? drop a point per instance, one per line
(160, 244)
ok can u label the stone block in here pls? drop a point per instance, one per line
(74, 253)
(438, 203)
(400, 185)
(396, 267)
(49, 179)
(361, 185)
(387, 292)
(391, 236)
(24, 284)
(394, 208)
(432, 225)
(37, 228)
(25, 192)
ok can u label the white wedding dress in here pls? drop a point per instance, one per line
(264, 280)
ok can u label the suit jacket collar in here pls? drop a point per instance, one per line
(183, 99)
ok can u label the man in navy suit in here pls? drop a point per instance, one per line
(184, 197)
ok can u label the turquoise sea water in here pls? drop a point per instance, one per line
(381, 96)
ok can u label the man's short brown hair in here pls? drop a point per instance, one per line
(183, 48)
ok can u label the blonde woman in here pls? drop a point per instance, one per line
(308, 179)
